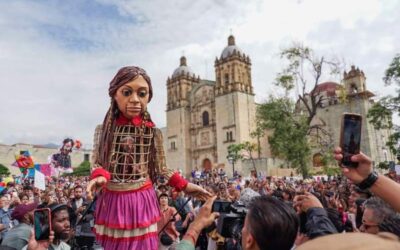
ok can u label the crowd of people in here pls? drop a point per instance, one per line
(280, 212)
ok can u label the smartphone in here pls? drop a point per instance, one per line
(42, 223)
(350, 138)
(221, 207)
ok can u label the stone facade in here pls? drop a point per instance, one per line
(204, 117)
(40, 155)
(351, 96)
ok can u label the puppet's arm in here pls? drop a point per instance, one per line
(97, 171)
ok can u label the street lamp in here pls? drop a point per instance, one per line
(231, 160)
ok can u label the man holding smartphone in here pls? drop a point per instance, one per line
(61, 230)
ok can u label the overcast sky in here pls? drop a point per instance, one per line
(58, 57)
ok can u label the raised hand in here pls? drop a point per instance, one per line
(94, 185)
(359, 173)
(197, 191)
(33, 244)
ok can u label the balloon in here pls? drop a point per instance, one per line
(78, 144)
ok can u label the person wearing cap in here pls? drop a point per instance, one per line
(61, 220)
(18, 236)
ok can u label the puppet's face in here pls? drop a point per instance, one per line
(68, 146)
(132, 98)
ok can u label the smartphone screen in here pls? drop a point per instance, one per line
(351, 138)
(221, 206)
(42, 226)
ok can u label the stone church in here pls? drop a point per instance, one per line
(357, 99)
(204, 117)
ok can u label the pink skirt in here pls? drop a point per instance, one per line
(128, 219)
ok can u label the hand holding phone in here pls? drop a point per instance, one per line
(350, 138)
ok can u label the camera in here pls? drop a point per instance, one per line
(231, 219)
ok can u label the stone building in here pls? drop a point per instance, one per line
(351, 96)
(204, 117)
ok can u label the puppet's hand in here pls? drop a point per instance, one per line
(197, 191)
(93, 185)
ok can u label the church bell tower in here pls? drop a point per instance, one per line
(234, 101)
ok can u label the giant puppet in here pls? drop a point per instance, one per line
(61, 161)
(129, 158)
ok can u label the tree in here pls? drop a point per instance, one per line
(381, 113)
(4, 170)
(249, 148)
(241, 151)
(82, 170)
(291, 120)
(258, 133)
(289, 137)
(234, 153)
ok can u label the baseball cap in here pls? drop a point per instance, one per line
(22, 209)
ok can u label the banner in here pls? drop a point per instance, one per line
(40, 181)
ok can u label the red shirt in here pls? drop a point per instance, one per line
(166, 215)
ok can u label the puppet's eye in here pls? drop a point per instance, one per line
(126, 92)
(142, 93)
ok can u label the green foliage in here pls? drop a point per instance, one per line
(234, 151)
(258, 133)
(380, 115)
(392, 74)
(4, 170)
(289, 140)
(328, 160)
(331, 171)
(286, 81)
(82, 170)
(383, 165)
(292, 130)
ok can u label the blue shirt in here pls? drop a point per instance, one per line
(5, 219)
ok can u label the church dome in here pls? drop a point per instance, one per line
(228, 50)
(182, 69)
(328, 87)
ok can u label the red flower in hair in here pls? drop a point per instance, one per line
(137, 120)
(149, 124)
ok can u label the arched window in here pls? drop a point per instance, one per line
(226, 78)
(229, 136)
(354, 88)
(206, 120)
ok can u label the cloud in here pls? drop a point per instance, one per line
(57, 57)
